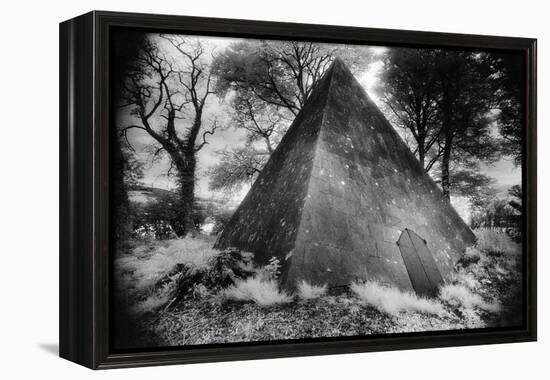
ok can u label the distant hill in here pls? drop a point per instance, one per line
(142, 194)
(146, 194)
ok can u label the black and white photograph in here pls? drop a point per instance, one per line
(245, 190)
(278, 190)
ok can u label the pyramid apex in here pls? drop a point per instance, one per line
(338, 63)
(339, 69)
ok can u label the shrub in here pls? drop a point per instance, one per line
(149, 263)
(262, 292)
(496, 241)
(309, 292)
(185, 281)
(465, 278)
(500, 270)
(272, 270)
(152, 219)
(200, 291)
(229, 266)
(393, 301)
(471, 256)
(496, 214)
(461, 296)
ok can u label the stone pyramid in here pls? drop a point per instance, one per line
(337, 195)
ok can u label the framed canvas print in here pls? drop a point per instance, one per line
(238, 189)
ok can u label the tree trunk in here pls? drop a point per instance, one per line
(445, 161)
(120, 201)
(183, 221)
(421, 153)
(448, 141)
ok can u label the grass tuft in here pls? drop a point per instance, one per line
(467, 279)
(460, 296)
(307, 291)
(258, 290)
(393, 301)
(148, 264)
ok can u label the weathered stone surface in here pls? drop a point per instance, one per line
(338, 191)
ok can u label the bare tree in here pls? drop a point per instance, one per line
(302, 64)
(167, 95)
(281, 74)
(236, 167)
(264, 126)
(261, 121)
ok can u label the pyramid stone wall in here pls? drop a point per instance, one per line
(354, 186)
(267, 220)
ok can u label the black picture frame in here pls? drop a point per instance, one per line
(84, 189)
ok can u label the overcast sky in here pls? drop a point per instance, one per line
(504, 172)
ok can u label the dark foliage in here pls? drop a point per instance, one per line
(509, 77)
(503, 213)
(516, 203)
(409, 91)
(223, 270)
(477, 187)
(445, 100)
(125, 49)
(159, 218)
